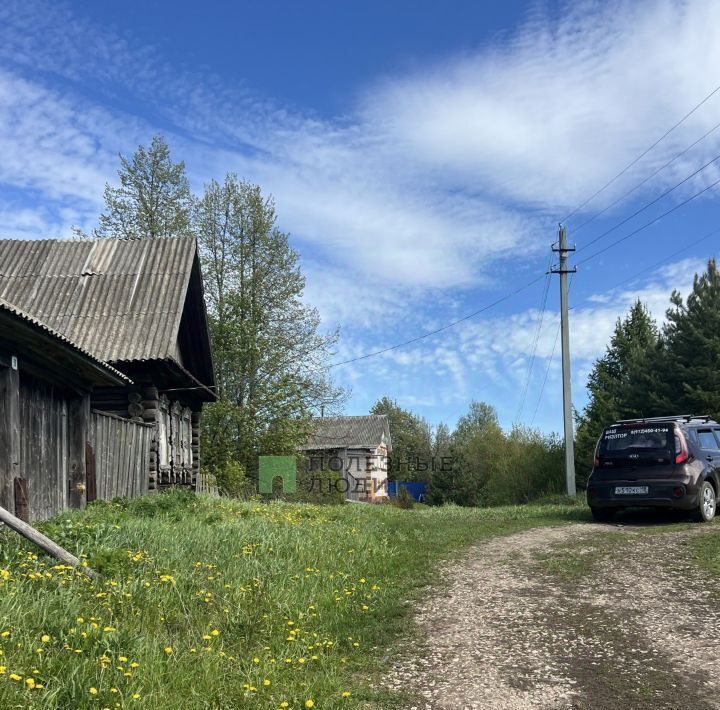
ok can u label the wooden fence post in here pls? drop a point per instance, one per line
(78, 423)
(22, 507)
(9, 429)
(90, 473)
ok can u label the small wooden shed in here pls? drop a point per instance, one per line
(136, 308)
(45, 415)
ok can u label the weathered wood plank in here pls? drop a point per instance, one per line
(78, 418)
(22, 509)
(90, 473)
(43, 542)
(9, 432)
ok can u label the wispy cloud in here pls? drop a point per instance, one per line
(411, 204)
(536, 121)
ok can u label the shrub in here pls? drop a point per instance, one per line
(403, 499)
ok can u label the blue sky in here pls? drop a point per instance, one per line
(420, 155)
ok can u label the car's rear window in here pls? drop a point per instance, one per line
(645, 437)
(644, 445)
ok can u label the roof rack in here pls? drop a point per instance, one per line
(676, 418)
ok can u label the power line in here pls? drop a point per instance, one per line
(664, 259)
(550, 361)
(650, 204)
(648, 224)
(494, 303)
(547, 372)
(527, 285)
(643, 154)
(533, 350)
(575, 230)
(687, 247)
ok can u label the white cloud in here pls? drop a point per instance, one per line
(415, 195)
(548, 117)
(537, 121)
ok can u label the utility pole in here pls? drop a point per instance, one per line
(563, 250)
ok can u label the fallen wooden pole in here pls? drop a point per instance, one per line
(43, 542)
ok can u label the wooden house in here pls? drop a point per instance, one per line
(356, 447)
(136, 309)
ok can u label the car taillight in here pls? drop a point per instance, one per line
(597, 461)
(681, 448)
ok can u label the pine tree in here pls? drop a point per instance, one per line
(691, 366)
(622, 383)
(153, 199)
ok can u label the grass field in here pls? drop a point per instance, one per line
(213, 603)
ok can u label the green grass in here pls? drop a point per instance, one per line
(704, 550)
(573, 561)
(204, 600)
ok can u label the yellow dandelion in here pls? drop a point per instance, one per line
(266, 682)
(44, 638)
(15, 676)
(93, 691)
(30, 682)
(168, 650)
(346, 694)
(309, 703)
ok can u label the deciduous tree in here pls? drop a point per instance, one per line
(270, 353)
(152, 200)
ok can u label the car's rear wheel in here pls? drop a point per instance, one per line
(602, 515)
(705, 512)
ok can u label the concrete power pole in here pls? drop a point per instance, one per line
(563, 250)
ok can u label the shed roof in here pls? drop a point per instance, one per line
(358, 432)
(121, 300)
(8, 310)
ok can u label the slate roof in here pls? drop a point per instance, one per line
(15, 312)
(121, 300)
(360, 432)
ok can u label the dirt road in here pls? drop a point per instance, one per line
(583, 616)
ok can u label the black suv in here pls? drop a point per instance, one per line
(663, 462)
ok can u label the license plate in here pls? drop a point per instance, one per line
(631, 490)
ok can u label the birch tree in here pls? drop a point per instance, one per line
(270, 353)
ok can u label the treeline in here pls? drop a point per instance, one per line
(650, 371)
(477, 463)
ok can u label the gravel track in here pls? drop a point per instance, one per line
(632, 624)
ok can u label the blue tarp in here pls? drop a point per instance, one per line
(415, 488)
